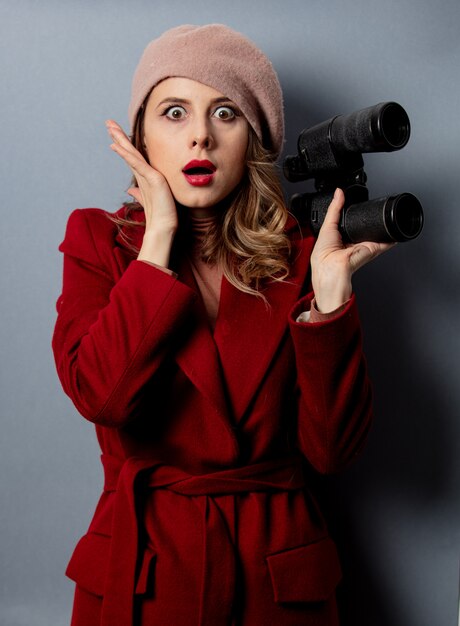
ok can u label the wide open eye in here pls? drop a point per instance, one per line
(175, 112)
(224, 113)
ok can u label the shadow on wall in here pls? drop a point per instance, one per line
(408, 463)
(407, 470)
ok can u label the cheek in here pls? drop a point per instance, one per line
(157, 145)
(239, 158)
(160, 154)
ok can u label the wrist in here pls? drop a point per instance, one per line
(156, 247)
(329, 297)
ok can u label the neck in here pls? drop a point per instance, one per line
(200, 213)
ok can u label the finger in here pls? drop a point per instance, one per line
(334, 210)
(363, 253)
(123, 147)
(377, 249)
(135, 192)
(113, 125)
(134, 160)
(119, 136)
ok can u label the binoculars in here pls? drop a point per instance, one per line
(331, 154)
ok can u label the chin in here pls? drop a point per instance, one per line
(200, 200)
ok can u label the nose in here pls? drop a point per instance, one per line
(201, 134)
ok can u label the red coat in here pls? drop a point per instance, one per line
(206, 518)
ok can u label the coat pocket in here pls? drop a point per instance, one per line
(305, 574)
(88, 566)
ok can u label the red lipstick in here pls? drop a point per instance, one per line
(199, 173)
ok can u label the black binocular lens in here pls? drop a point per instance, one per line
(394, 125)
(406, 216)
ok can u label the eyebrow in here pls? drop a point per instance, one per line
(184, 101)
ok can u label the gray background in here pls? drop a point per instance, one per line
(66, 67)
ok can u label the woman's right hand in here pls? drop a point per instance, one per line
(153, 194)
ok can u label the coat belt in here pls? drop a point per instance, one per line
(131, 478)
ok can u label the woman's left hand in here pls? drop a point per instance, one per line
(333, 262)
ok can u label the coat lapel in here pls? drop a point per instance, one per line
(248, 332)
(197, 356)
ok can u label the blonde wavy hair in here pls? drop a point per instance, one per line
(248, 239)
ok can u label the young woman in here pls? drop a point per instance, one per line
(216, 347)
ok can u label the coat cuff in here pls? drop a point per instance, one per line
(305, 311)
(166, 270)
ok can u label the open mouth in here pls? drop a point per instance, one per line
(199, 173)
(199, 168)
(204, 171)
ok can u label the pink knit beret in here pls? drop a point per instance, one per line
(223, 59)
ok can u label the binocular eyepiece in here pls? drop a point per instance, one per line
(331, 153)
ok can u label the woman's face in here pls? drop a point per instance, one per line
(197, 138)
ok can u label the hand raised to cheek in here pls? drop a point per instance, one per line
(153, 194)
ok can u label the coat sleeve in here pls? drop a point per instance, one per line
(335, 399)
(111, 335)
